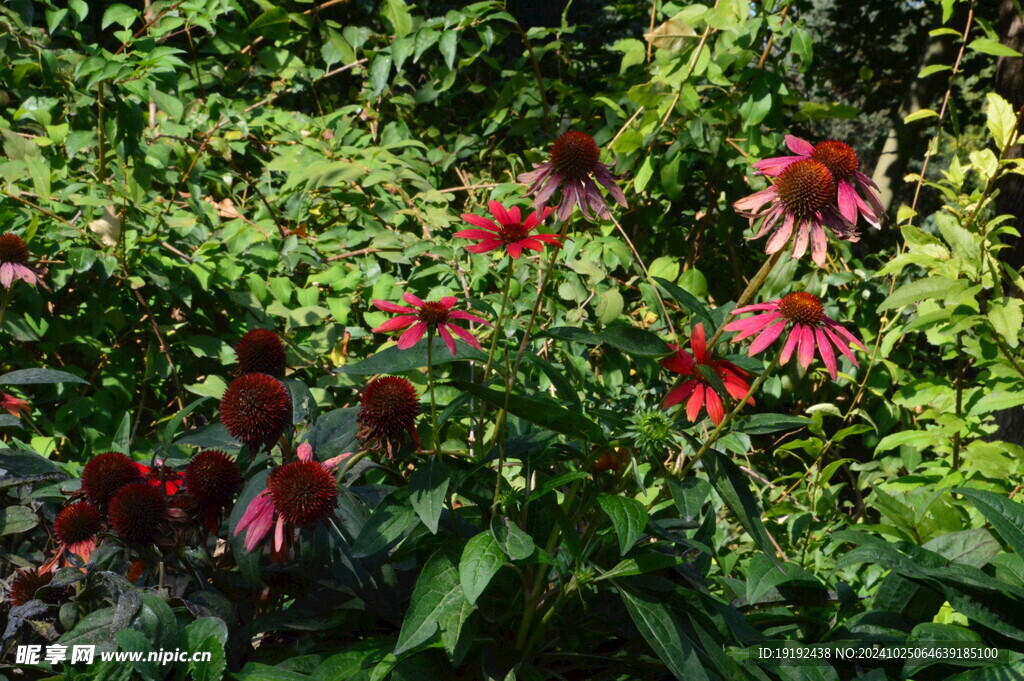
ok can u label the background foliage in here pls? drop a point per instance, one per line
(186, 171)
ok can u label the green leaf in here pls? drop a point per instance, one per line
(631, 340)
(628, 517)
(663, 633)
(207, 634)
(39, 376)
(119, 14)
(335, 432)
(802, 46)
(482, 557)
(689, 495)
(732, 486)
(17, 519)
(542, 411)
(397, 12)
(764, 575)
(395, 361)
(993, 47)
(380, 69)
(516, 544)
(928, 288)
(449, 41)
(390, 522)
(609, 306)
(427, 490)
(919, 114)
(760, 424)
(1006, 516)
(686, 299)
(1007, 318)
(1001, 120)
(437, 594)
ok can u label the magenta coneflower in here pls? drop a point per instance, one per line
(797, 206)
(810, 328)
(298, 494)
(107, 473)
(857, 194)
(261, 352)
(433, 315)
(137, 512)
(695, 387)
(13, 405)
(256, 409)
(574, 164)
(14, 261)
(511, 232)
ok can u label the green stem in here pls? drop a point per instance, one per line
(351, 462)
(6, 302)
(500, 325)
(748, 293)
(729, 417)
(430, 384)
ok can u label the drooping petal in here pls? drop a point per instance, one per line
(802, 237)
(737, 388)
(789, 347)
(462, 314)
(474, 234)
(6, 274)
(484, 246)
(514, 250)
(770, 305)
(841, 331)
(767, 337)
(412, 336)
(442, 330)
(695, 403)
(748, 206)
(799, 146)
(774, 166)
(603, 175)
(840, 344)
(679, 363)
(279, 534)
(819, 245)
(847, 200)
(751, 325)
(679, 393)
(714, 405)
(827, 355)
(781, 236)
(396, 323)
(805, 343)
(465, 335)
(530, 243)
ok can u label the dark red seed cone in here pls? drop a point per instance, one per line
(388, 408)
(838, 157)
(803, 308)
(212, 479)
(105, 474)
(77, 523)
(575, 155)
(26, 583)
(303, 492)
(805, 187)
(261, 352)
(13, 249)
(137, 512)
(256, 409)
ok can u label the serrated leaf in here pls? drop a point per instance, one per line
(516, 544)
(1007, 318)
(663, 633)
(437, 593)
(928, 288)
(481, 559)
(427, 491)
(1006, 516)
(629, 518)
(1001, 120)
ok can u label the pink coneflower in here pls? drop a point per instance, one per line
(575, 162)
(855, 189)
(695, 386)
(801, 201)
(810, 328)
(14, 261)
(298, 494)
(13, 405)
(433, 315)
(511, 231)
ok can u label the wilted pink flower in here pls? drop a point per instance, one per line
(511, 231)
(801, 201)
(14, 261)
(810, 328)
(695, 386)
(430, 315)
(857, 193)
(574, 164)
(13, 405)
(298, 494)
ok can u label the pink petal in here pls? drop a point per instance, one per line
(473, 234)
(396, 323)
(749, 205)
(412, 300)
(462, 314)
(805, 343)
(827, 355)
(693, 406)
(412, 336)
(841, 345)
(781, 236)
(481, 222)
(391, 307)
(789, 347)
(847, 198)
(770, 305)
(767, 337)
(335, 461)
(841, 331)
(449, 302)
(774, 166)
(465, 335)
(748, 327)
(515, 215)
(515, 250)
(801, 240)
(6, 274)
(799, 146)
(305, 452)
(279, 534)
(442, 331)
(532, 244)
(484, 247)
(819, 244)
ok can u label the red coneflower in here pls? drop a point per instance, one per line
(256, 409)
(25, 585)
(434, 315)
(695, 386)
(300, 494)
(162, 476)
(388, 407)
(137, 512)
(810, 329)
(13, 405)
(574, 164)
(212, 480)
(511, 232)
(105, 474)
(76, 528)
(14, 261)
(842, 162)
(261, 352)
(798, 206)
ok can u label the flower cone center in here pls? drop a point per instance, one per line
(433, 313)
(13, 249)
(575, 155)
(803, 308)
(838, 157)
(805, 187)
(303, 492)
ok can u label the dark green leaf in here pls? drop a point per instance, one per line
(516, 544)
(427, 491)
(1006, 516)
(663, 633)
(542, 411)
(482, 557)
(734, 489)
(628, 517)
(437, 593)
(38, 376)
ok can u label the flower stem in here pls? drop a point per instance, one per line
(729, 417)
(748, 293)
(540, 298)
(500, 324)
(6, 302)
(430, 384)
(650, 279)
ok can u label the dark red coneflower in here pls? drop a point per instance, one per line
(137, 512)
(574, 164)
(212, 479)
(388, 408)
(261, 352)
(76, 528)
(256, 409)
(303, 492)
(105, 474)
(25, 584)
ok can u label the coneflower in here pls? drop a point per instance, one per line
(261, 352)
(388, 408)
(137, 512)
(76, 528)
(105, 474)
(256, 409)
(25, 585)
(14, 261)
(212, 480)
